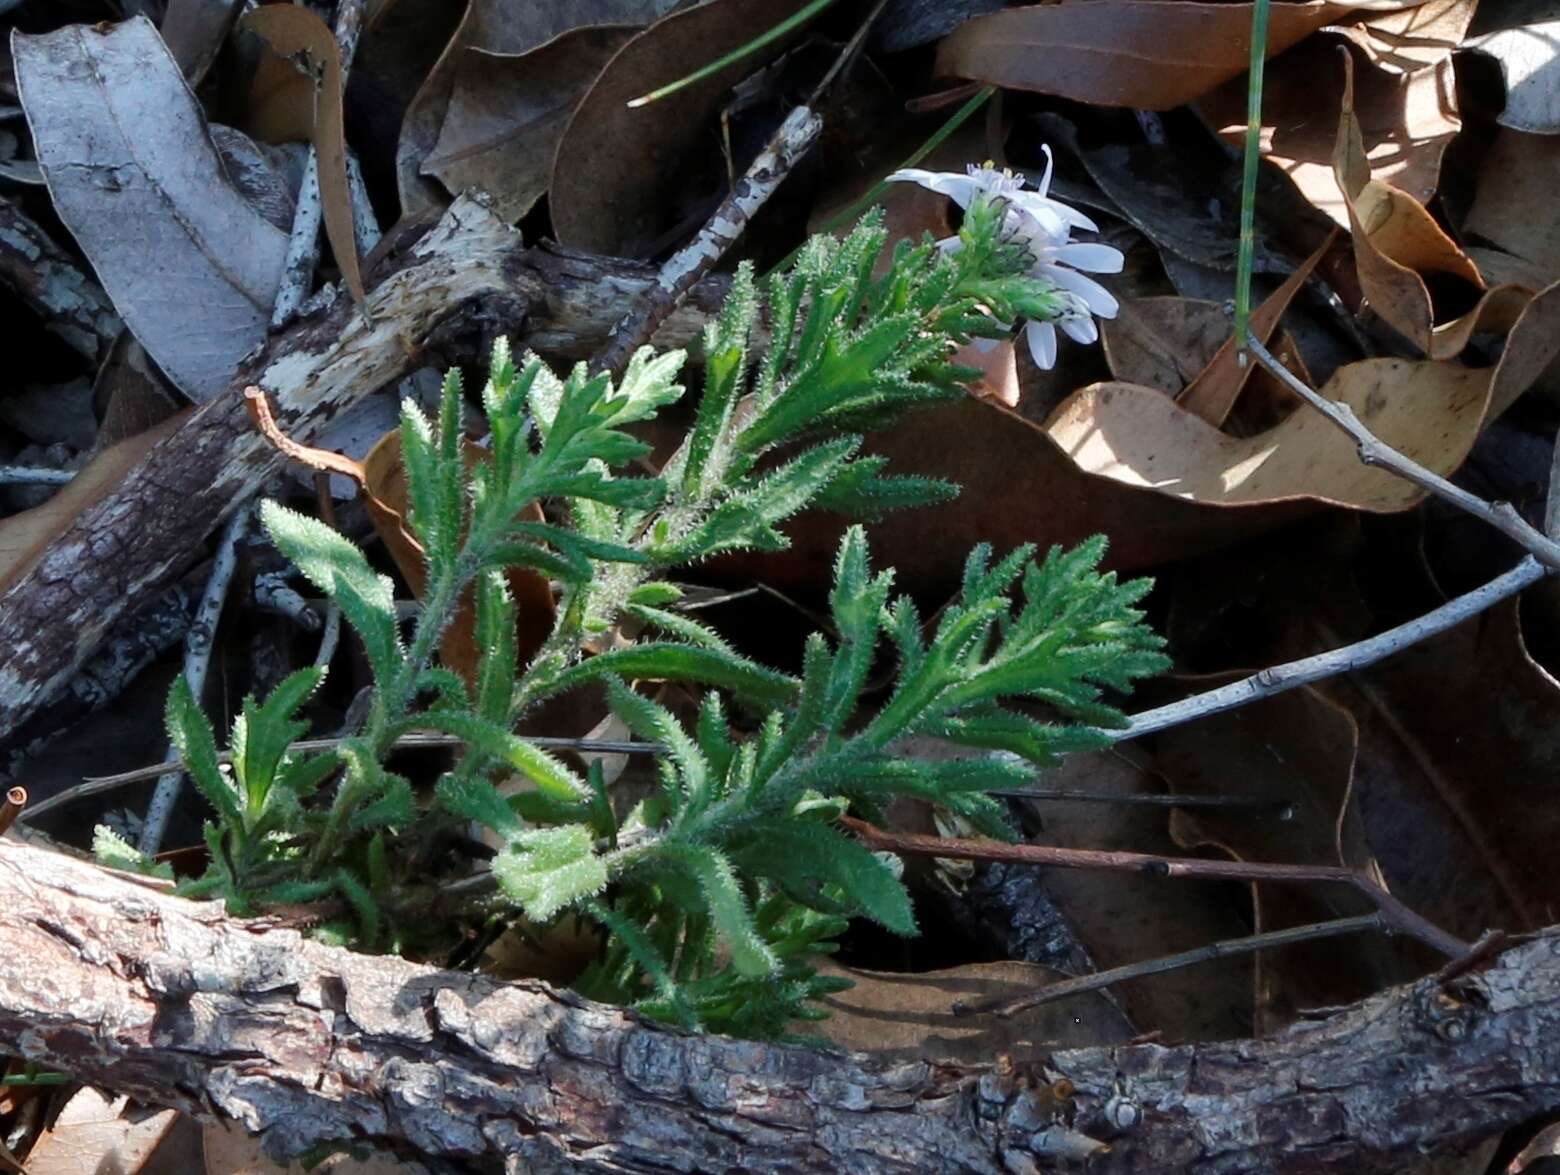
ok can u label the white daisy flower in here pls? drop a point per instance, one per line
(1044, 225)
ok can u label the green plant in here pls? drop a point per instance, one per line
(717, 892)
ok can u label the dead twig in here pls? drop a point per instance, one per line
(1394, 913)
(303, 246)
(1375, 452)
(685, 267)
(30, 475)
(198, 644)
(98, 784)
(1277, 679)
(15, 801)
(1225, 949)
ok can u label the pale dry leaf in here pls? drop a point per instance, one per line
(295, 33)
(1513, 208)
(909, 1016)
(230, 1151)
(190, 265)
(1529, 59)
(99, 1132)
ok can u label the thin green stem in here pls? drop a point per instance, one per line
(771, 35)
(1248, 183)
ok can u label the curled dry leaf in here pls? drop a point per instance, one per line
(295, 33)
(626, 176)
(1397, 242)
(381, 478)
(1212, 394)
(153, 211)
(97, 1131)
(1152, 54)
(494, 106)
(194, 31)
(1406, 118)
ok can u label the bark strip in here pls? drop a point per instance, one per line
(179, 1005)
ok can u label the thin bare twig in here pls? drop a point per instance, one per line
(1278, 678)
(1225, 949)
(32, 475)
(1395, 914)
(685, 267)
(15, 801)
(1255, 805)
(1375, 452)
(198, 642)
(98, 784)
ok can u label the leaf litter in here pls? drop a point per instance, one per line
(1430, 312)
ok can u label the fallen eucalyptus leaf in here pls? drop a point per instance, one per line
(190, 265)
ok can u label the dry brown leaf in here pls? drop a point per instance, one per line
(26, 536)
(1397, 242)
(493, 107)
(1513, 208)
(506, 115)
(1543, 1145)
(194, 31)
(229, 1151)
(1297, 749)
(1429, 411)
(98, 1132)
(1406, 120)
(625, 176)
(401, 42)
(294, 32)
(1153, 54)
(1164, 342)
(1414, 37)
(909, 1016)
(1212, 394)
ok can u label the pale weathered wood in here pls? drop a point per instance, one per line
(179, 1005)
(470, 273)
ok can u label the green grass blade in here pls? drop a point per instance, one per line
(1248, 183)
(785, 26)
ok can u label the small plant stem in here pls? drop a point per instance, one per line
(1374, 452)
(197, 660)
(1229, 948)
(796, 20)
(1277, 679)
(1254, 805)
(1248, 181)
(1394, 913)
(15, 801)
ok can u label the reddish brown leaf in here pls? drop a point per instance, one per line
(1153, 54)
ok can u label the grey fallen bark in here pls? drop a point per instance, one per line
(469, 273)
(48, 279)
(178, 1005)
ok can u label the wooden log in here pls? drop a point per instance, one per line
(177, 1004)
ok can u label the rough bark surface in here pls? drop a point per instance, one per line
(177, 1004)
(469, 272)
